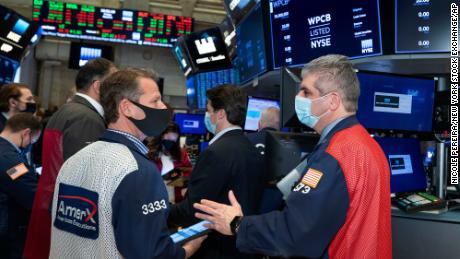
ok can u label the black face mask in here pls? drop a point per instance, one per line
(155, 121)
(168, 144)
(30, 108)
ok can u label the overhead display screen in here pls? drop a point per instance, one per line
(16, 33)
(81, 53)
(250, 45)
(7, 70)
(108, 24)
(198, 84)
(229, 33)
(207, 50)
(238, 9)
(422, 26)
(303, 32)
(181, 54)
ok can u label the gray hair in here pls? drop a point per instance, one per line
(270, 118)
(335, 72)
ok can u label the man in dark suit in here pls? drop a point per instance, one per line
(74, 126)
(269, 120)
(230, 162)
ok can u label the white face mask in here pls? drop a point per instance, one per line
(303, 109)
(209, 125)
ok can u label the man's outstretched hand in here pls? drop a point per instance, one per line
(219, 214)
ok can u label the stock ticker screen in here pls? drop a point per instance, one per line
(107, 24)
(422, 26)
(301, 33)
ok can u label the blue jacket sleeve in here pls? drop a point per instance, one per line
(140, 208)
(312, 216)
(22, 190)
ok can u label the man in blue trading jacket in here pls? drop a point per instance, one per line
(14, 98)
(110, 200)
(18, 181)
(230, 162)
(340, 207)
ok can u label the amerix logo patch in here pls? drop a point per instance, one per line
(77, 211)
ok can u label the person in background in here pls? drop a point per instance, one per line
(15, 98)
(117, 182)
(269, 120)
(18, 180)
(75, 125)
(166, 149)
(340, 206)
(230, 162)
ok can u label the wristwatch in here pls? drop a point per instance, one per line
(235, 224)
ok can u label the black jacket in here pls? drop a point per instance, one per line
(2, 122)
(258, 139)
(79, 123)
(230, 163)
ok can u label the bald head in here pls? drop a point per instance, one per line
(270, 118)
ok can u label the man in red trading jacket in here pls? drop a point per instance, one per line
(74, 126)
(340, 206)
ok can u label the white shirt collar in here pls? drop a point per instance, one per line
(93, 102)
(218, 135)
(5, 114)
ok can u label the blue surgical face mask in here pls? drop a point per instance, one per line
(303, 107)
(209, 126)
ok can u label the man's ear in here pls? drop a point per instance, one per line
(26, 132)
(221, 114)
(335, 101)
(125, 108)
(96, 87)
(12, 102)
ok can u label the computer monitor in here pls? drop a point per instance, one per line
(190, 123)
(406, 166)
(290, 83)
(406, 102)
(254, 110)
(284, 151)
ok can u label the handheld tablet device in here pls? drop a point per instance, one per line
(184, 235)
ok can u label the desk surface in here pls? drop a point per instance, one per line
(447, 217)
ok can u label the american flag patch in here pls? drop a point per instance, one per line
(312, 178)
(17, 171)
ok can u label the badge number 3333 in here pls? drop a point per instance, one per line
(153, 206)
